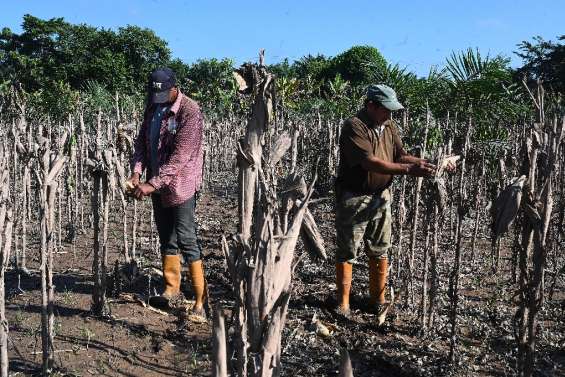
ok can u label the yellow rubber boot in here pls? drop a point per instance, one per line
(378, 269)
(171, 278)
(171, 275)
(343, 283)
(196, 270)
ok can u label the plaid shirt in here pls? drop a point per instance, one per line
(179, 151)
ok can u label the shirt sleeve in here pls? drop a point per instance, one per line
(355, 144)
(186, 147)
(398, 145)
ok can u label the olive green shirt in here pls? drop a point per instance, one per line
(360, 140)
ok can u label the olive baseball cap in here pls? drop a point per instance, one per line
(384, 95)
(161, 81)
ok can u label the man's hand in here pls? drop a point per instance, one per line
(449, 164)
(143, 189)
(134, 179)
(422, 169)
(131, 184)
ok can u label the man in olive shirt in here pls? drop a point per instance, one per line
(371, 153)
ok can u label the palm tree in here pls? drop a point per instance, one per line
(482, 87)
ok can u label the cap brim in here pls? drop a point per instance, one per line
(161, 97)
(392, 105)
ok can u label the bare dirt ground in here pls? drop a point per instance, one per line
(137, 341)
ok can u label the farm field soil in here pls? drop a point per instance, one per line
(137, 341)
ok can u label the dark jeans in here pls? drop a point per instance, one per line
(177, 229)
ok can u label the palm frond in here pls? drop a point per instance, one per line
(395, 76)
(467, 65)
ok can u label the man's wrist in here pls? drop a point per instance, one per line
(406, 168)
(155, 182)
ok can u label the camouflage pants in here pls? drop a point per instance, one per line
(366, 218)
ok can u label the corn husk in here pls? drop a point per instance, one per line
(322, 330)
(439, 192)
(128, 186)
(506, 206)
(444, 162)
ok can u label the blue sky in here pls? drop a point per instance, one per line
(416, 34)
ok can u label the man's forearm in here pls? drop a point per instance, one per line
(385, 167)
(409, 159)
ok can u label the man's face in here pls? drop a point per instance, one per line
(173, 94)
(378, 113)
(168, 97)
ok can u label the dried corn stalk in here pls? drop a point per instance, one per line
(537, 207)
(102, 169)
(260, 257)
(6, 223)
(293, 195)
(52, 164)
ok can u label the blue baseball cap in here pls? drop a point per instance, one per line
(161, 81)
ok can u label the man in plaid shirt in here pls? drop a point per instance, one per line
(169, 149)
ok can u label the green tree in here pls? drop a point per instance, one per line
(358, 64)
(211, 81)
(338, 97)
(142, 50)
(428, 93)
(282, 69)
(312, 67)
(52, 51)
(543, 60)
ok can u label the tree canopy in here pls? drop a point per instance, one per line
(55, 62)
(544, 60)
(50, 52)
